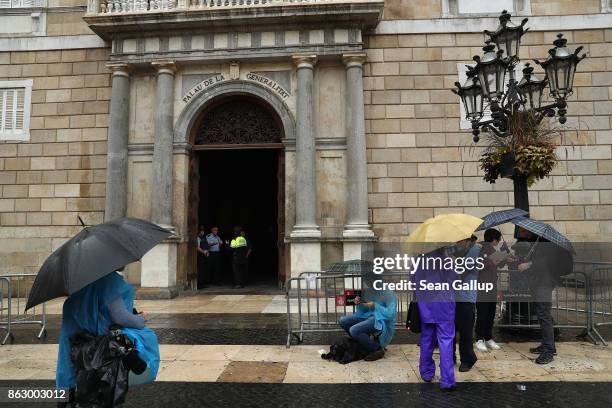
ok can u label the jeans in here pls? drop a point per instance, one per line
(464, 323)
(485, 316)
(360, 329)
(543, 304)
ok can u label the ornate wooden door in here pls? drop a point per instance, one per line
(193, 219)
(280, 223)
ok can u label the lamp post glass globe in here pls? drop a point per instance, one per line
(507, 37)
(491, 70)
(531, 88)
(560, 67)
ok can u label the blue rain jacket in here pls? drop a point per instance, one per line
(87, 310)
(384, 312)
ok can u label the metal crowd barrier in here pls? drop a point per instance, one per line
(600, 296)
(570, 305)
(311, 301)
(14, 291)
(583, 300)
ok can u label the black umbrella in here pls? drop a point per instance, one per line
(500, 217)
(92, 254)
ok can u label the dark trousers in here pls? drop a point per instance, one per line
(201, 270)
(241, 270)
(464, 325)
(485, 316)
(543, 305)
(214, 267)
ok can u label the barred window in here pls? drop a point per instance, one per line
(15, 98)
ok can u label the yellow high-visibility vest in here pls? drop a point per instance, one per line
(238, 242)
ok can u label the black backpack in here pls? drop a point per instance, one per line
(345, 350)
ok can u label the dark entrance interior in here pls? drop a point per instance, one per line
(241, 187)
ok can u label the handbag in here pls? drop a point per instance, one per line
(413, 318)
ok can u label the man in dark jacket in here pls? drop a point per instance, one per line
(543, 277)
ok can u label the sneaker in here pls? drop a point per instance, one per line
(492, 345)
(481, 346)
(540, 349)
(545, 358)
(375, 355)
(463, 368)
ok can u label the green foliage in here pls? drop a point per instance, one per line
(529, 150)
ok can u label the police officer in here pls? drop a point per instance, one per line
(240, 257)
(202, 255)
(214, 242)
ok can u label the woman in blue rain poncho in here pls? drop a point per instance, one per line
(374, 315)
(94, 309)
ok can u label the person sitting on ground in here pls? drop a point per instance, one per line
(374, 316)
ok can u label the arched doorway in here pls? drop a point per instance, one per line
(237, 178)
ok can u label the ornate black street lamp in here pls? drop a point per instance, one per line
(486, 87)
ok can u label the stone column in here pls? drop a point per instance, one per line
(357, 228)
(305, 237)
(162, 196)
(159, 265)
(305, 195)
(117, 153)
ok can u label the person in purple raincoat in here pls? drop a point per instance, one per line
(437, 310)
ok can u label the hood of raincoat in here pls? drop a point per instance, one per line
(87, 310)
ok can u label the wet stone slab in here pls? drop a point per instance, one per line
(476, 394)
(254, 372)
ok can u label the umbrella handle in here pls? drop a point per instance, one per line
(532, 248)
(81, 221)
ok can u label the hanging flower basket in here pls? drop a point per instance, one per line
(529, 151)
(534, 162)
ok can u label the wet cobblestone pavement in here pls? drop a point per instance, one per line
(256, 328)
(506, 395)
(229, 351)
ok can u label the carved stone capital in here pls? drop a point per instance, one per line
(304, 61)
(164, 67)
(354, 59)
(120, 69)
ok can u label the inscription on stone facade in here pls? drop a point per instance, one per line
(202, 86)
(273, 85)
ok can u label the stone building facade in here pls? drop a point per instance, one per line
(367, 134)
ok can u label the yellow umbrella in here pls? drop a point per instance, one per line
(445, 228)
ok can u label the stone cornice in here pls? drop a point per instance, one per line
(360, 14)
